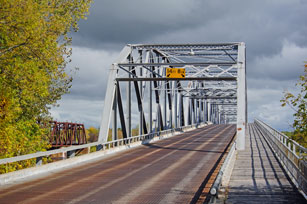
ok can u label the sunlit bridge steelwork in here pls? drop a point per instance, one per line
(213, 89)
(193, 145)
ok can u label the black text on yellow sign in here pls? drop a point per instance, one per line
(175, 73)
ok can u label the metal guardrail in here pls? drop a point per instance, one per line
(216, 185)
(291, 155)
(70, 151)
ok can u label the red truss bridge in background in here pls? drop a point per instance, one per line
(67, 134)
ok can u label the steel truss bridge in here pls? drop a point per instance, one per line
(194, 143)
(213, 90)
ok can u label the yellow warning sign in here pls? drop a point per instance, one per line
(175, 73)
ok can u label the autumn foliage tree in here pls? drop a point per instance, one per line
(92, 134)
(299, 104)
(34, 51)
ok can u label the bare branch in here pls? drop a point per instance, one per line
(11, 48)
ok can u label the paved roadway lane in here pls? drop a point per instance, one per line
(169, 171)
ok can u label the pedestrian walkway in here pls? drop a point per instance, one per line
(258, 177)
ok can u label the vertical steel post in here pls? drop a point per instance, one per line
(141, 93)
(129, 102)
(175, 105)
(180, 110)
(190, 112)
(201, 114)
(193, 111)
(199, 111)
(205, 111)
(241, 98)
(148, 59)
(109, 97)
(114, 117)
(215, 114)
(219, 115)
(158, 117)
(196, 110)
(212, 113)
(151, 59)
(209, 111)
(170, 105)
(150, 105)
(165, 107)
(121, 111)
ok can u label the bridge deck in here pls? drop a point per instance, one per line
(258, 177)
(168, 171)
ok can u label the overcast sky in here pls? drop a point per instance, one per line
(275, 33)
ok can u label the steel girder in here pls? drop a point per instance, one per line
(214, 88)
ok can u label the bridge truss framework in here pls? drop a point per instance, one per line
(214, 88)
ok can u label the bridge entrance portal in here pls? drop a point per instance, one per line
(143, 92)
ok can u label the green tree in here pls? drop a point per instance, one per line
(135, 131)
(299, 105)
(34, 51)
(92, 134)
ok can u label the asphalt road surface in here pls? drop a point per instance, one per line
(173, 170)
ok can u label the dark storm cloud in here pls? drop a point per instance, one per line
(285, 66)
(90, 81)
(121, 21)
(274, 32)
(263, 25)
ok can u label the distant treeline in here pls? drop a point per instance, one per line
(92, 133)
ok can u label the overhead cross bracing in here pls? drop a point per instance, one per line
(139, 93)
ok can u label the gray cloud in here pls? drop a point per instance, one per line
(121, 21)
(274, 32)
(91, 79)
(284, 66)
(85, 111)
(263, 25)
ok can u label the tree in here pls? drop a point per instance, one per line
(34, 51)
(299, 105)
(92, 134)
